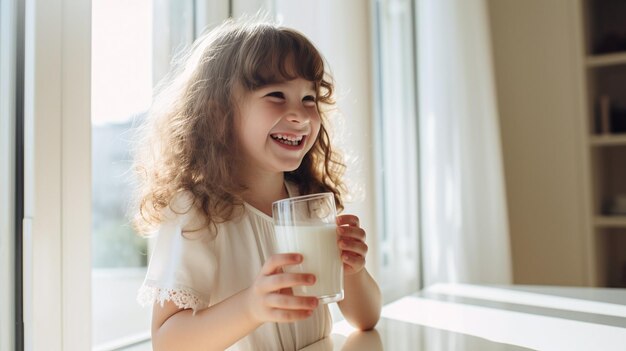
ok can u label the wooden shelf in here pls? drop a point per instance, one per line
(606, 60)
(617, 221)
(608, 140)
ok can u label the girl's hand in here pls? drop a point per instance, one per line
(352, 244)
(270, 297)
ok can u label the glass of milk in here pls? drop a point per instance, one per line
(307, 225)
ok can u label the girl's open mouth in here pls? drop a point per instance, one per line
(289, 140)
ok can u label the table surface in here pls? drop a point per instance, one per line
(503, 318)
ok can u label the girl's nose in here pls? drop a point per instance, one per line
(298, 115)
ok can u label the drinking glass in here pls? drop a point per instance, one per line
(307, 225)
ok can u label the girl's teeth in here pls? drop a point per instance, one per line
(289, 140)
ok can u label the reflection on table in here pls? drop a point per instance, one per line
(503, 318)
(390, 334)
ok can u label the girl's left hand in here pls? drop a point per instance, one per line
(351, 242)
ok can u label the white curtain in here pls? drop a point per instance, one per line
(464, 216)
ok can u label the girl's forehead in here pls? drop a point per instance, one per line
(298, 81)
(285, 70)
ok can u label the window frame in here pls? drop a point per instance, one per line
(57, 203)
(9, 22)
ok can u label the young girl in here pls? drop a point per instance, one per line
(240, 125)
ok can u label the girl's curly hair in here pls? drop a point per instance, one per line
(186, 143)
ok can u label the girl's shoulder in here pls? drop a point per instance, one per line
(184, 210)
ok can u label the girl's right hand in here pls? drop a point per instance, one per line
(270, 297)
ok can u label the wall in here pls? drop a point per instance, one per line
(537, 58)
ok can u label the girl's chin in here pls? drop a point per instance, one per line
(292, 167)
(289, 165)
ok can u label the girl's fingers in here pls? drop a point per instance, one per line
(277, 282)
(286, 291)
(352, 232)
(353, 246)
(277, 261)
(351, 257)
(350, 220)
(288, 302)
(352, 263)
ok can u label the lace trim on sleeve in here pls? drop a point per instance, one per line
(181, 297)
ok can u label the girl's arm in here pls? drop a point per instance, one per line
(362, 300)
(221, 325)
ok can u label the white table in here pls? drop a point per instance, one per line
(470, 317)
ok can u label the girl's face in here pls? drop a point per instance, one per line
(277, 125)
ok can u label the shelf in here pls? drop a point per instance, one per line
(608, 140)
(610, 221)
(606, 60)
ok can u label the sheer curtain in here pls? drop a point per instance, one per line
(464, 218)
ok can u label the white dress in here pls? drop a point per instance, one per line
(196, 270)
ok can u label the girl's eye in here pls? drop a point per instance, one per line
(309, 100)
(276, 94)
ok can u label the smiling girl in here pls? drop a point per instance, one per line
(239, 125)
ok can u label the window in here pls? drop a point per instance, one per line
(132, 44)
(397, 147)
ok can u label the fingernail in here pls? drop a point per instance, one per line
(310, 279)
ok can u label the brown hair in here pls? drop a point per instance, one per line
(186, 143)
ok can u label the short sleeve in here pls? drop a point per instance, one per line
(182, 265)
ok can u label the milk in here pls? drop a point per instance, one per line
(321, 257)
